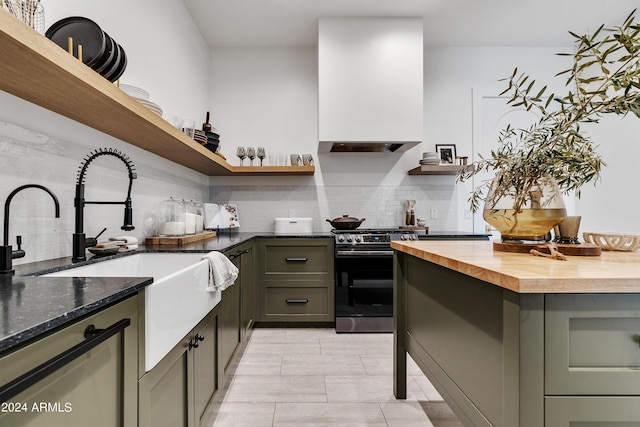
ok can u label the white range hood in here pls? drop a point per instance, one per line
(370, 82)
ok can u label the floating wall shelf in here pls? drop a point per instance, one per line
(436, 170)
(39, 71)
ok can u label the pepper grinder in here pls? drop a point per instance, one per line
(206, 126)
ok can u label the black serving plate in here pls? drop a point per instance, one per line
(84, 32)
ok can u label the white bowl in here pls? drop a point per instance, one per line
(613, 241)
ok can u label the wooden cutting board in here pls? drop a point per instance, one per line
(182, 240)
(580, 249)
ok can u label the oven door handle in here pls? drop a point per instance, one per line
(364, 253)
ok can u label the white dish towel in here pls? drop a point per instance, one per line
(222, 272)
(128, 240)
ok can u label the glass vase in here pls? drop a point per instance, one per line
(542, 209)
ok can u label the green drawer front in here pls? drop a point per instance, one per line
(296, 260)
(592, 344)
(297, 301)
(595, 411)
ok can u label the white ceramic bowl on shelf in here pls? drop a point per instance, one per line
(613, 241)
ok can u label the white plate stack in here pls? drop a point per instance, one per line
(142, 96)
(430, 158)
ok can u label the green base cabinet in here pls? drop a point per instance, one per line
(237, 310)
(500, 358)
(178, 390)
(99, 388)
(296, 280)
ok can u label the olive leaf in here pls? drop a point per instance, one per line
(603, 78)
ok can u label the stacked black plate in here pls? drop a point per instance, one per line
(99, 50)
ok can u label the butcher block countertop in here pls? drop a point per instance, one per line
(611, 272)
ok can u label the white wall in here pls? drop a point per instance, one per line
(166, 56)
(613, 204)
(269, 97)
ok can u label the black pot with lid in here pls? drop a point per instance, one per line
(345, 222)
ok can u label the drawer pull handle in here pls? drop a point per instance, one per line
(237, 254)
(296, 259)
(297, 301)
(93, 338)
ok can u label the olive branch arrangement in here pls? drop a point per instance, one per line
(605, 78)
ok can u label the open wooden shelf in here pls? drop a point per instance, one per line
(436, 170)
(279, 170)
(39, 71)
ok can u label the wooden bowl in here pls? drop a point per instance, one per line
(613, 241)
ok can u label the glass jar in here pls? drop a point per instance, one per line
(189, 217)
(171, 219)
(199, 216)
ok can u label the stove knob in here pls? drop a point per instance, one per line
(414, 237)
(349, 238)
(340, 238)
(358, 239)
(403, 237)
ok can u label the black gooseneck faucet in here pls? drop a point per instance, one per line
(7, 254)
(80, 241)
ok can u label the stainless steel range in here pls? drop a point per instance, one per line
(364, 278)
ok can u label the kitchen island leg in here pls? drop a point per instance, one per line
(399, 328)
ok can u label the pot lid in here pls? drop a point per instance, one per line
(346, 218)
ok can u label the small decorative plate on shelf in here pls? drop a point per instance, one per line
(613, 241)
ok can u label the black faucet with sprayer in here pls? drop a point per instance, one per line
(80, 241)
(7, 254)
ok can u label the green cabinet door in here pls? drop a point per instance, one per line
(247, 287)
(592, 411)
(591, 344)
(98, 388)
(229, 328)
(178, 390)
(205, 378)
(166, 398)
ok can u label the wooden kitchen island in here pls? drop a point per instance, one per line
(516, 340)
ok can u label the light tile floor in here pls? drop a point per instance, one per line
(315, 377)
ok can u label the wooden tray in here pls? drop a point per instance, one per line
(581, 249)
(182, 240)
(413, 227)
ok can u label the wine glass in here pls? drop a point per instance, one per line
(240, 152)
(251, 154)
(261, 154)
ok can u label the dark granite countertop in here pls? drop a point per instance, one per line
(33, 306)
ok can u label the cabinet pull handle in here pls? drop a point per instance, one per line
(93, 338)
(194, 342)
(296, 259)
(297, 301)
(237, 254)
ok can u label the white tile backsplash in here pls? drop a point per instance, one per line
(380, 205)
(31, 157)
